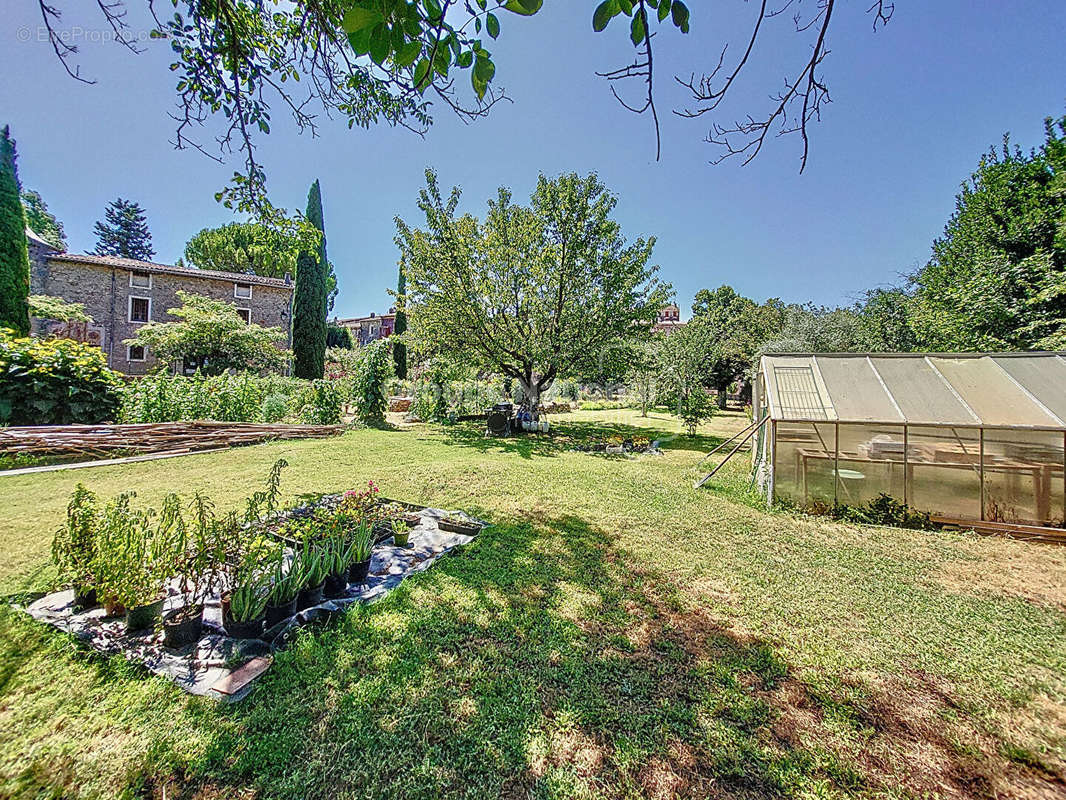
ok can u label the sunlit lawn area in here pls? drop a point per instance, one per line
(615, 633)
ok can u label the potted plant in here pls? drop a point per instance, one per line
(135, 557)
(312, 564)
(338, 555)
(362, 550)
(244, 615)
(281, 598)
(401, 535)
(74, 548)
(199, 555)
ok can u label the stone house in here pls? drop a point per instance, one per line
(370, 328)
(121, 294)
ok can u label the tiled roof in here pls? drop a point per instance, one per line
(187, 272)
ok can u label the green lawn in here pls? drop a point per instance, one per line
(614, 634)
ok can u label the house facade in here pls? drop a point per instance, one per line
(669, 319)
(370, 328)
(121, 294)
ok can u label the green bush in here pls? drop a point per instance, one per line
(320, 403)
(371, 378)
(55, 382)
(274, 408)
(225, 398)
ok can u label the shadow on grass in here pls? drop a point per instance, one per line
(573, 434)
(537, 662)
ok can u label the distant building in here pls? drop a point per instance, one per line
(121, 294)
(370, 328)
(669, 320)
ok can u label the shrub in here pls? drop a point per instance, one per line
(55, 382)
(274, 408)
(320, 403)
(225, 398)
(371, 378)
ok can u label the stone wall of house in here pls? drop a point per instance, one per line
(106, 291)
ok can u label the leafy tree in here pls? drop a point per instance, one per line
(338, 336)
(14, 253)
(212, 334)
(683, 360)
(997, 277)
(399, 347)
(531, 292)
(124, 232)
(255, 248)
(730, 328)
(887, 314)
(44, 306)
(644, 370)
(819, 329)
(309, 304)
(370, 61)
(41, 221)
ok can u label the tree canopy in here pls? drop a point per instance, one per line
(997, 277)
(41, 221)
(14, 253)
(533, 292)
(255, 248)
(310, 299)
(124, 232)
(213, 335)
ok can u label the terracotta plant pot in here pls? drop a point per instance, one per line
(336, 585)
(143, 617)
(310, 596)
(276, 614)
(358, 572)
(84, 599)
(183, 626)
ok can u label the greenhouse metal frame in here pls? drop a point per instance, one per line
(963, 437)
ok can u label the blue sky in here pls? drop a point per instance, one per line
(914, 106)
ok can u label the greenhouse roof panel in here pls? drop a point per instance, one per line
(1025, 390)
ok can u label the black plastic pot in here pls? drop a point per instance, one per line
(183, 626)
(84, 599)
(309, 596)
(143, 617)
(252, 629)
(275, 614)
(455, 526)
(358, 571)
(336, 585)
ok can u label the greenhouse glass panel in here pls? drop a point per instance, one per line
(921, 393)
(856, 390)
(1024, 477)
(944, 471)
(869, 463)
(803, 463)
(1044, 377)
(994, 398)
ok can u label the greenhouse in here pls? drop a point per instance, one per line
(960, 436)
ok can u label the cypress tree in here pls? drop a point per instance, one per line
(14, 252)
(124, 232)
(309, 304)
(399, 349)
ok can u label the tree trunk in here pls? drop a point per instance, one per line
(531, 392)
(723, 392)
